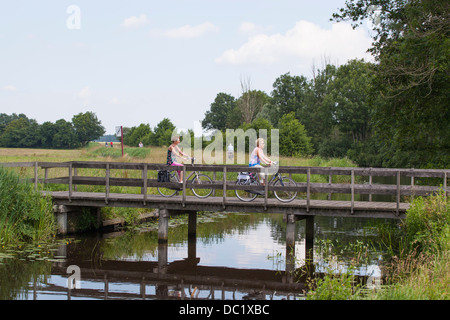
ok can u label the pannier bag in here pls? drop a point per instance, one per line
(163, 176)
(243, 178)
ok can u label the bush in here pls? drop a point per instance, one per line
(427, 224)
(25, 215)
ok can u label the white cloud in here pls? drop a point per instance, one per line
(85, 94)
(135, 22)
(186, 31)
(9, 88)
(305, 41)
(249, 28)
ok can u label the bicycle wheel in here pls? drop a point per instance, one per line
(285, 196)
(202, 180)
(169, 192)
(245, 195)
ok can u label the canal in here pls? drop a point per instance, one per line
(233, 256)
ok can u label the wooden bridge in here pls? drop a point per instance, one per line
(119, 184)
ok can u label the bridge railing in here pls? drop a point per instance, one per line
(351, 181)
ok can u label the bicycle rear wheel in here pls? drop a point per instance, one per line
(285, 196)
(169, 192)
(245, 195)
(202, 180)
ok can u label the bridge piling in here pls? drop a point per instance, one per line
(163, 227)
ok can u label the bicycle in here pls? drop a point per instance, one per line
(252, 179)
(198, 178)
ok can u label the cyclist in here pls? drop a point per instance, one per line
(174, 151)
(257, 156)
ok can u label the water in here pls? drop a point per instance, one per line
(234, 256)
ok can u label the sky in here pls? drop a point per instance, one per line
(136, 61)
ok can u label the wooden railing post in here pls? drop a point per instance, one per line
(144, 174)
(266, 188)
(70, 182)
(107, 182)
(184, 187)
(308, 188)
(224, 179)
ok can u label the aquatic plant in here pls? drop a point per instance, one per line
(25, 215)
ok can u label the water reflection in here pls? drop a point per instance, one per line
(233, 256)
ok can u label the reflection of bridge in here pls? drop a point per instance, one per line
(182, 279)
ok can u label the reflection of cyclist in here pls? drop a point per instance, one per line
(174, 151)
(257, 156)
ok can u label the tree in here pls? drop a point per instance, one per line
(349, 98)
(216, 118)
(251, 102)
(21, 133)
(87, 127)
(293, 138)
(136, 134)
(65, 136)
(163, 133)
(412, 48)
(288, 95)
(47, 131)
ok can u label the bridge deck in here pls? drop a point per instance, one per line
(232, 204)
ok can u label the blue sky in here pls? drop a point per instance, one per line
(135, 62)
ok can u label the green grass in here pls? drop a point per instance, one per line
(419, 267)
(24, 214)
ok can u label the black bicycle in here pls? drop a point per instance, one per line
(252, 179)
(198, 178)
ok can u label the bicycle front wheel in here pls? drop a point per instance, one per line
(202, 184)
(169, 192)
(285, 196)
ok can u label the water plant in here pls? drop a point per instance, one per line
(24, 214)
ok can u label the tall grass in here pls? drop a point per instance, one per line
(419, 268)
(24, 214)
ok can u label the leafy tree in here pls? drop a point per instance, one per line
(163, 133)
(221, 109)
(65, 136)
(293, 138)
(87, 127)
(412, 48)
(136, 134)
(47, 131)
(21, 133)
(320, 120)
(288, 95)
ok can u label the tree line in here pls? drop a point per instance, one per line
(18, 131)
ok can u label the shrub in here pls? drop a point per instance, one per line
(25, 215)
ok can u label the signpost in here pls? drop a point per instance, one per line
(119, 130)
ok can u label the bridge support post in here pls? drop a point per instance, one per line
(192, 225)
(163, 227)
(68, 218)
(290, 247)
(309, 241)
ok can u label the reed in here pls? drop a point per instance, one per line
(24, 214)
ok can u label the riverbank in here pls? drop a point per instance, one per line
(419, 264)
